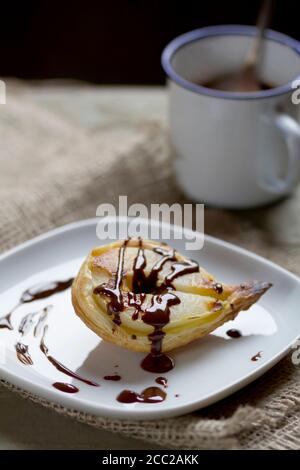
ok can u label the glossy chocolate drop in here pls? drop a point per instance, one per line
(149, 395)
(234, 333)
(113, 378)
(66, 388)
(128, 396)
(256, 356)
(162, 381)
(218, 288)
(153, 395)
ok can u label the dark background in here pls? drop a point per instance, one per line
(113, 41)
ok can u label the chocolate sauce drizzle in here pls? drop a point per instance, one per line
(26, 323)
(148, 284)
(158, 314)
(180, 269)
(39, 327)
(140, 262)
(66, 388)
(44, 290)
(136, 301)
(5, 322)
(23, 354)
(37, 292)
(116, 304)
(59, 366)
(149, 395)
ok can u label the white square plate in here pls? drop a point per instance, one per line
(206, 371)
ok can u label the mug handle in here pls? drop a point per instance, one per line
(289, 129)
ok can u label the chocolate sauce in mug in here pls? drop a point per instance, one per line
(224, 83)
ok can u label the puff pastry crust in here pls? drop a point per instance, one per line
(123, 284)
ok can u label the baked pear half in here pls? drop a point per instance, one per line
(145, 296)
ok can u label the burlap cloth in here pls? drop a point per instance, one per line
(54, 171)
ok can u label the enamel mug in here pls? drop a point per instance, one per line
(231, 149)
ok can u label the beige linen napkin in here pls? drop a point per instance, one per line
(53, 171)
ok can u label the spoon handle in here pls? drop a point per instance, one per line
(262, 23)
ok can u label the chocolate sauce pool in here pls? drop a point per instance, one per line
(39, 327)
(66, 388)
(234, 333)
(149, 395)
(156, 315)
(157, 363)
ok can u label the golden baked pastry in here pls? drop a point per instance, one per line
(145, 296)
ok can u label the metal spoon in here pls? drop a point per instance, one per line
(246, 79)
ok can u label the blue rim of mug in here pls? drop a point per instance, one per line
(223, 30)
